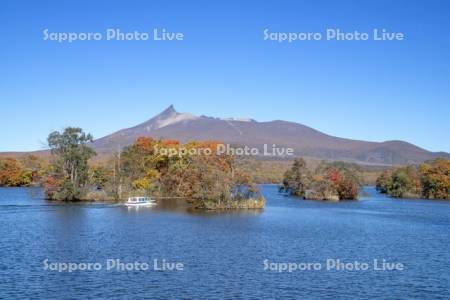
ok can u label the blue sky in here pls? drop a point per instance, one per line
(356, 89)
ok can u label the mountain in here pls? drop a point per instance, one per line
(304, 140)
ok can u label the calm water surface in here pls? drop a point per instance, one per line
(223, 254)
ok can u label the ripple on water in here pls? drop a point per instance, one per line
(223, 253)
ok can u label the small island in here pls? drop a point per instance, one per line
(430, 180)
(328, 181)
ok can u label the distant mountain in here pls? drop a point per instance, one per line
(304, 140)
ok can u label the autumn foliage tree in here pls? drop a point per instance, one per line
(435, 179)
(13, 173)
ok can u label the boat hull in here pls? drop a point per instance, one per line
(140, 204)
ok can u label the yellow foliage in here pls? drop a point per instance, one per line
(141, 183)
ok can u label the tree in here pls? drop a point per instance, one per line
(70, 162)
(296, 179)
(383, 181)
(98, 176)
(344, 182)
(400, 183)
(37, 166)
(436, 179)
(347, 189)
(12, 173)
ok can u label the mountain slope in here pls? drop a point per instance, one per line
(304, 140)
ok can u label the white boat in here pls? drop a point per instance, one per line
(140, 201)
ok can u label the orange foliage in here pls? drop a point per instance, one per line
(12, 173)
(145, 143)
(51, 182)
(170, 143)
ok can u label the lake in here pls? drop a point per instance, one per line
(238, 255)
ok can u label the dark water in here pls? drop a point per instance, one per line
(223, 254)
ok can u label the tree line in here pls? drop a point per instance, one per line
(24, 171)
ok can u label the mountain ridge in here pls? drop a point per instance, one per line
(305, 140)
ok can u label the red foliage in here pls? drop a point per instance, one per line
(346, 187)
(334, 175)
